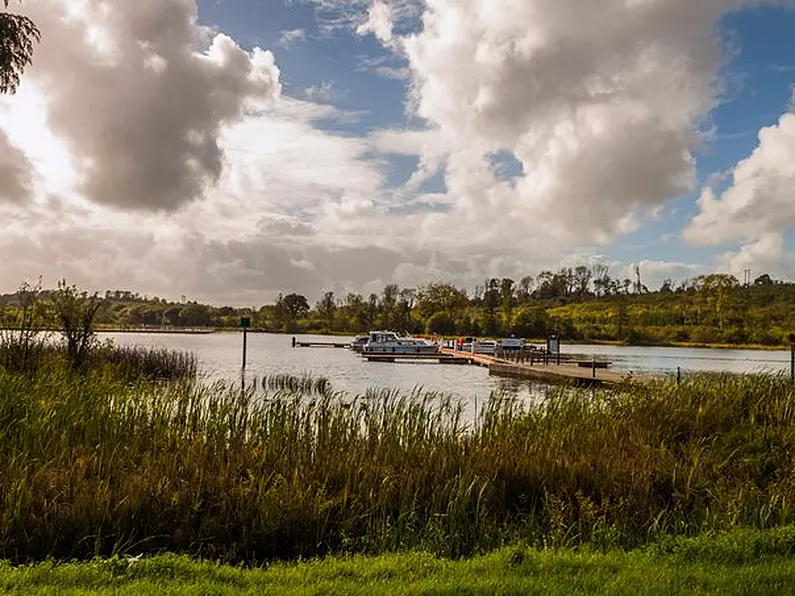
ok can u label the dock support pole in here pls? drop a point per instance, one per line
(678, 375)
(594, 367)
(245, 337)
(792, 363)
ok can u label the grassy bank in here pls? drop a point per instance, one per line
(747, 562)
(97, 464)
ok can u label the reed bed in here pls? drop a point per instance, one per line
(130, 362)
(94, 465)
(153, 363)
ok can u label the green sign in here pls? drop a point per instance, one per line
(245, 322)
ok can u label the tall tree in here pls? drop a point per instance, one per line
(295, 306)
(327, 308)
(439, 297)
(17, 35)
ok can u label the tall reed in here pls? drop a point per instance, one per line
(96, 465)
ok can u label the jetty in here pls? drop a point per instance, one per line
(440, 357)
(322, 344)
(578, 373)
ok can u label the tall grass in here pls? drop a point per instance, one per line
(95, 466)
(131, 362)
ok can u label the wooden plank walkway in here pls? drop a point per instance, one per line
(441, 357)
(547, 372)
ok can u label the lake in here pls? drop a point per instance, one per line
(220, 353)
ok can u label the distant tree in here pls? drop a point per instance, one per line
(372, 309)
(402, 315)
(582, 280)
(389, 298)
(523, 293)
(601, 279)
(507, 294)
(17, 35)
(195, 315)
(441, 323)
(491, 301)
(326, 308)
(295, 306)
(439, 297)
(173, 315)
(763, 280)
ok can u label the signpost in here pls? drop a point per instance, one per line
(553, 347)
(245, 324)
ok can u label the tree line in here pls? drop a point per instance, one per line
(579, 303)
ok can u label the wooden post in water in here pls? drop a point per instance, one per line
(678, 375)
(245, 323)
(593, 370)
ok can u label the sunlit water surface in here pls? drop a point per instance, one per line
(220, 357)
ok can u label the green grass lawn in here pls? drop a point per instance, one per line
(743, 562)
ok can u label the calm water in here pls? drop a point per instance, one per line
(220, 357)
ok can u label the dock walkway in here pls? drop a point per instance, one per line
(546, 372)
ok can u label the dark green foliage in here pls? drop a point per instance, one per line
(17, 36)
(713, 309)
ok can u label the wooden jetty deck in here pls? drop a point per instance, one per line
(573, 372)
(322, 344)
(441, 357)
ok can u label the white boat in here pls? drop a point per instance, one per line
(391, 342)
(487, 347)
(358, 343)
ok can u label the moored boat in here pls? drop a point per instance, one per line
(358, 343)
(391, 342)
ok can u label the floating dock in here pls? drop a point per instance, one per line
(322, 344)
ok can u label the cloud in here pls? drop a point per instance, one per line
(380, 17)
(16, 173)
(767, 255)
(602, 103)
(290, 37)
(322, 93)
(380, 22)
(758, 199)
(139, 92)
(133, 111)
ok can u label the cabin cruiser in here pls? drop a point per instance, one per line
(391, 342)
(358, 343)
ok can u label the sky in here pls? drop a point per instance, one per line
(230, 150)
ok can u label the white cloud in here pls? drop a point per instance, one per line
(380, 22)
(162, 156)
(290, 37)
(322, 93)
(599, 101)
(759, 198)
(766, 255)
